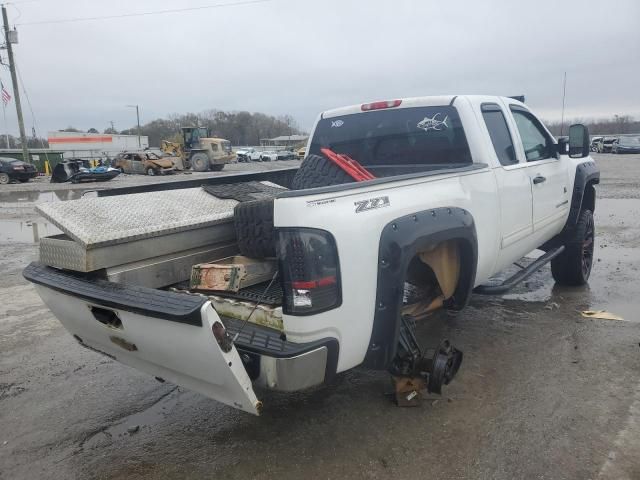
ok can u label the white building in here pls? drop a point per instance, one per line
(94, 145)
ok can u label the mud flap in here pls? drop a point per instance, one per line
(183, 354)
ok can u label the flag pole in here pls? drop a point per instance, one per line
(6, 131)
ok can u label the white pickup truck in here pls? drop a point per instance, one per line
(464, 187)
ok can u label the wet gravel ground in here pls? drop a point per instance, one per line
(542, 393)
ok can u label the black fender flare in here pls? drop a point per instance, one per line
(400, 241)
(587, 175)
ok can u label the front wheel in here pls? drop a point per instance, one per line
(200, 162)
(151, 172)
(573, 266)
(4, 179)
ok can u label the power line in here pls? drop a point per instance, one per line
(143, 14)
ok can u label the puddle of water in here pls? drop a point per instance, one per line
(17, 231)
(41, 197)
(135, 422)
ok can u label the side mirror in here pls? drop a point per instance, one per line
(563, 145)
(578, 141)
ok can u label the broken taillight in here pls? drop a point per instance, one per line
(221, 336)
(310, 271)
(380, 105)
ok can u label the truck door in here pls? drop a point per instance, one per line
(547, 171)
(514, 185)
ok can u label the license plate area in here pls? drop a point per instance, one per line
(106, 317)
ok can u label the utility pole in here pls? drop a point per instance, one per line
(138, 118)
(9, 40)
(564, 93)
(112, 127)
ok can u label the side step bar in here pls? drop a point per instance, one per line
(512, 281)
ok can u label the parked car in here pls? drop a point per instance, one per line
(360, 262)
(13, 169)
(594, 144)
(241, 155)
(147, 163)
(248, 155)
(606, 144)
(285, 155)
(626, 145)
(269, 156)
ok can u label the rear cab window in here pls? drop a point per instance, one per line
(394, 141)
(499, 133)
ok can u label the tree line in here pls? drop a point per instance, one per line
(14, 142)
(240, 128)
(617, 124)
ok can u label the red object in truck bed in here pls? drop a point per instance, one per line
(349, 165)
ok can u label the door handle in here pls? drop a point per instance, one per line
(538, 179)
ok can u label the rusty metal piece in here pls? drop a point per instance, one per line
(408, 390)
(122, 343)
(232, 273)
(444, 260)
(420, 309)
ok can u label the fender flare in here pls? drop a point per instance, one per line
(400, 241)
(587, 175)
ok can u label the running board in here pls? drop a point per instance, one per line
(512, 281)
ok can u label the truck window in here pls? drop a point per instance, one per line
(431, 136)
(537, 144)
(499, 133)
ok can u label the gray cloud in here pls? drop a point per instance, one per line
(301, 57)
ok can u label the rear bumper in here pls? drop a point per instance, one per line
(23, 175)
(267, 358)
(277, 364)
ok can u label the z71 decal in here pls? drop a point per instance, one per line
(370, 204)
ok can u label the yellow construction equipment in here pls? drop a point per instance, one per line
(199, 151)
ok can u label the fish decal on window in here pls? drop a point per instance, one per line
(433, 123)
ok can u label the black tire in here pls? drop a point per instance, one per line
(317, 171)
(4, 179)
(573, 266)
(200, 162)
(254, 228)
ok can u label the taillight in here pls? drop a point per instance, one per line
(380, 105)
(310, 271)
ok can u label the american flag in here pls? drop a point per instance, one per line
(6, 98)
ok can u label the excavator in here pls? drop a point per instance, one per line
(200, 151)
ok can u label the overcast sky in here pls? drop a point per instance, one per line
(301, 56)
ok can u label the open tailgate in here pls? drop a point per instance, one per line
(165, 334)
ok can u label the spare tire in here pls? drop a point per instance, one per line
(318, 171)
(254, 228)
